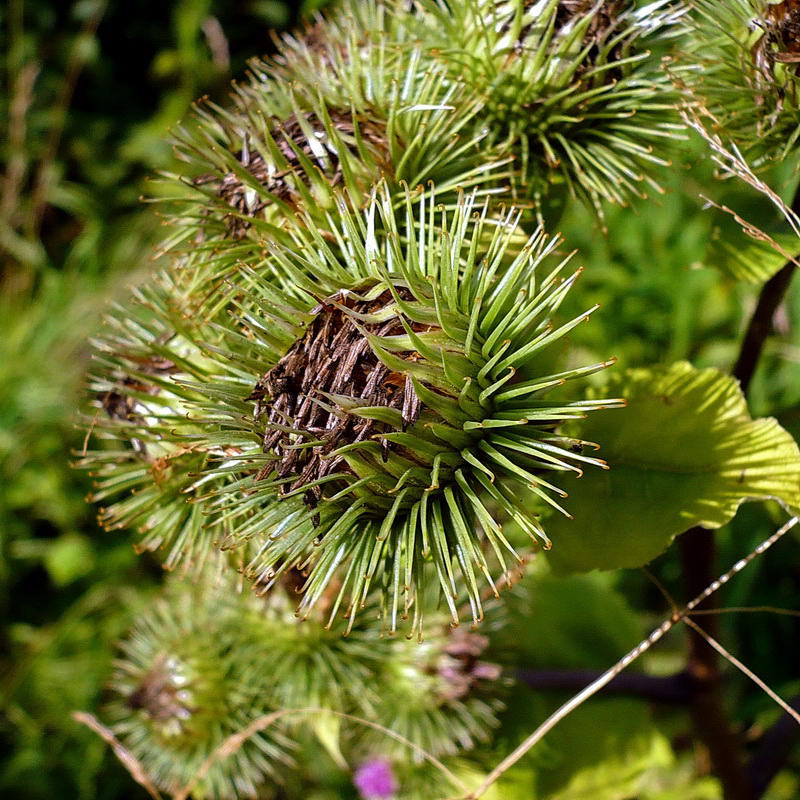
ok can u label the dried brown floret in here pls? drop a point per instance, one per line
(332, 358)
(291, 139)
(121, 405)
(781, 41)
(460, 667)
(317, 39)
(780, 44)
(161, 694)
(603, 22)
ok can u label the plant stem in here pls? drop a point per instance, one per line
(773, 751)
(760, 325)
(708, 712)
(670, 689)
(761, 322)
(697, 553)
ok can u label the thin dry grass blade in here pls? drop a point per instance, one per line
(609, 675)
(127, 759)
(743, 668)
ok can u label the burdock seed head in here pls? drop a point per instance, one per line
(569, 87)
(388, 383)
(188, 678)
(746, 55)
(781, 42)
(380, 112)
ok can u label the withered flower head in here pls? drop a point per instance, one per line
(333, 357)
(208, 659)
(399, 416)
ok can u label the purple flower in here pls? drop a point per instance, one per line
(375, 780)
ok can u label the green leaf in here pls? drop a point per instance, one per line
(561, 622)
(684, 452)
(748, 259)
(601, 752)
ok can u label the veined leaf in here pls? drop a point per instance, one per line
(748, 259)
(684, 452)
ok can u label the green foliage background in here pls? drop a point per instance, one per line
(89, 91)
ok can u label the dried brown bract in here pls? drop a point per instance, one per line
(159, 694)
(332, 358)
(604, 21)
(781, 41)
(292, 140)
(121, 405)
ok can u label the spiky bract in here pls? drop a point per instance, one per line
(746, 60)
(439, 694)
(566, 87)
(409, 494)
(188, 679)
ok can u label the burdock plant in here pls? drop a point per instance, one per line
(375, 408)
(188, 677)
(353, 382)
(336, 372)
(746, 55)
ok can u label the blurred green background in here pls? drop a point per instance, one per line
(89, 91)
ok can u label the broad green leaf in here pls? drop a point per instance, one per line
(601, 752)
(684, 452)
(562, 622)
(749, 259)
(680, 783)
